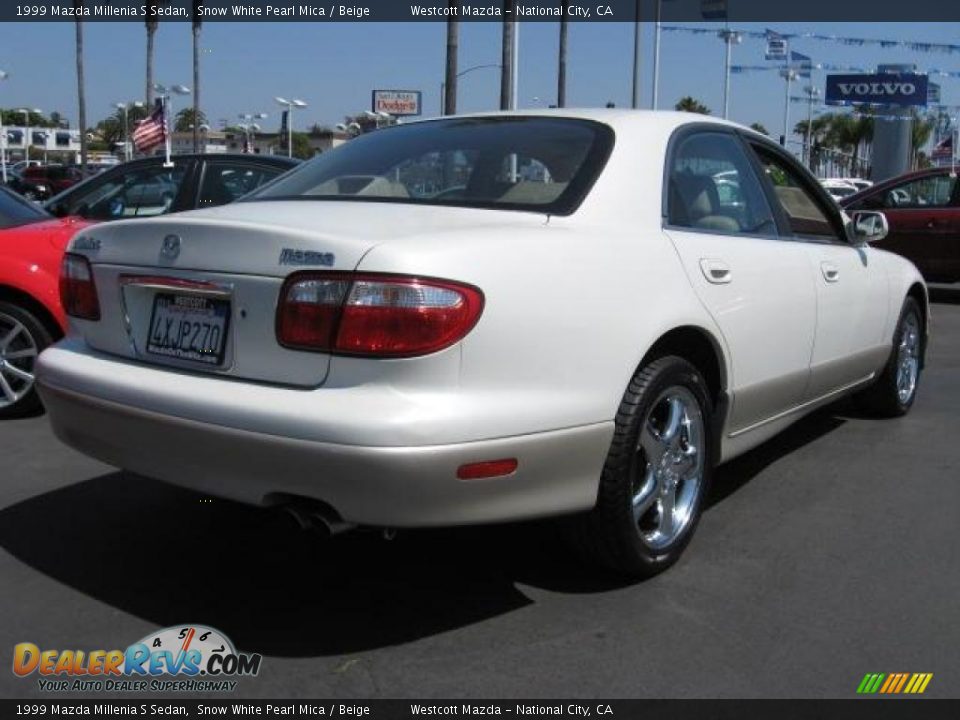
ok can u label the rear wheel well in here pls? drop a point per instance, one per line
(917, 292)
(34, 307)
(696, 346)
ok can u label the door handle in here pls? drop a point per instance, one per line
(831, 273)
(715, 271)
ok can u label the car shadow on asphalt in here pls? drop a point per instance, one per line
(170, 556)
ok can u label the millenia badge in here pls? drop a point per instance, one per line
(894, 683)
(183, 650)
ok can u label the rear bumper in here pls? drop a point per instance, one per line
(397, 486)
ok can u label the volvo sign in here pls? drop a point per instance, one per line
(883, 89)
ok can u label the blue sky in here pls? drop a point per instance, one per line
(334, 67)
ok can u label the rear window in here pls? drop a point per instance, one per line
(542, 164)
(14, 211)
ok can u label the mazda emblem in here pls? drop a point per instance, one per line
(171, 246)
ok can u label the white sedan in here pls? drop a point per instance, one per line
(487, 318)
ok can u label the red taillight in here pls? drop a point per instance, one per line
(374, 315)
(78, 293)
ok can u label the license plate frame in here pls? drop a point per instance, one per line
(171, 310)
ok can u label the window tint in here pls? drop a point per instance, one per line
(533, 163)
(140, 193)
(801, 206)
(934, 191)
(224, 182)
(712, 187)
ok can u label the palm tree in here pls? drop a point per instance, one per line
(921, 130)
(453, 50)
(197, 23)
(81, 94)
(562, 57)
(691, 104)
(152, 23)
(759, 127)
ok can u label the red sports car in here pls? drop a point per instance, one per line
(32, 242)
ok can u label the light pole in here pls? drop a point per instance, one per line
(655, 101)
(290, 105)
(731, 38)
(168, 114)
(353, 129)
(443, 85)
(789, 75)
(126, 125)
(3, 138)
(26, 122)
(812, 93)
(250, 128)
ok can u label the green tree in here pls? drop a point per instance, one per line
(692, 105)
(301, 146)
(187, 121)
(760, 128)
(920, 132)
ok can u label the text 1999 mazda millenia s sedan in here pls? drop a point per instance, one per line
(487, 318)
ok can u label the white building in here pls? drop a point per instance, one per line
(42, 141)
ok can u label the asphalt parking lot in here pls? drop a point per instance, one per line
(830, 552)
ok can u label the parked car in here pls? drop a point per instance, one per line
(145, 188)
(39, 182)
(592, 342)
(923, 210)
(31, 249)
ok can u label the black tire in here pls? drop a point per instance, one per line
(883, 398)
(41, 338)
(609, 535)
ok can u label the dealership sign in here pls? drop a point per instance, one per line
(882, 89)
(397, 102)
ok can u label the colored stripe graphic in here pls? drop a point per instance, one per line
(894, 683)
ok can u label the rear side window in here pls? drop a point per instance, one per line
(712, 188)
(544, 164)
(224, 182)
(805, 214)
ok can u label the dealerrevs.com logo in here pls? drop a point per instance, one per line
(180, 658)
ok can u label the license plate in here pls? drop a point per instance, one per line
(189, 327)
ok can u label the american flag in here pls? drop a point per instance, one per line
(152, 131)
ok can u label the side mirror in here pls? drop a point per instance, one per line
(867, 226)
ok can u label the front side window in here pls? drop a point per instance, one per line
(543, 164)
(712, 187)
(141, 193)
(928, 192)
(804, 212)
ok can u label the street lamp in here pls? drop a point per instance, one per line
(250, 129)
(811, 93)
(353, 128)
(26, 121)
(378, 116)
(165, 94)
(290, 105)
(3, 138)
(443, 85)
(126, 125)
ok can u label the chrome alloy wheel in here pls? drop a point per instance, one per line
(671, 454)
(908, 358)
(18, 352)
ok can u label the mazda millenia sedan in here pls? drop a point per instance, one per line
(487, 318)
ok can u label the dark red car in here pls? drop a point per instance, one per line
(40, 182)
(923, 209)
